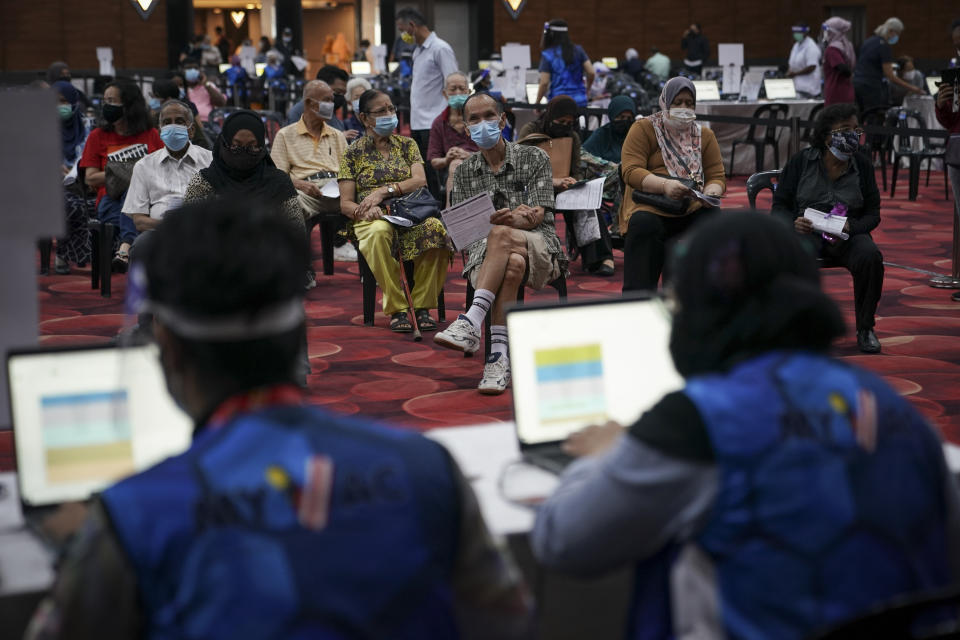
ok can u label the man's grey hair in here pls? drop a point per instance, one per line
(409, 14)
(483, 94)
(177, 103)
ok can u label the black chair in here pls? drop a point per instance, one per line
(907, 119)
(771, 135)
(877, 144)
(760, 181)
(807, 136)
(45, 245)
(369, 286)
(328, 223)
(101, 255)
(560, 284)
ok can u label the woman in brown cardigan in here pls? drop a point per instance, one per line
(668, 144)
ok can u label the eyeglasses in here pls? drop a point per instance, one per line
(857, 131)
(386, 111)
(253, 150)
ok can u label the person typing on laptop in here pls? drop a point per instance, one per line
(280, 520)
(781, 490)
(522, 246)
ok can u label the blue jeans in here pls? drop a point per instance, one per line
(111, 211)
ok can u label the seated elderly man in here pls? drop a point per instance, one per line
(450, 142)
(160, 179)
(310, 150)
(521, 247)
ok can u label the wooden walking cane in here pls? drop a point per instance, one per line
(417, 335)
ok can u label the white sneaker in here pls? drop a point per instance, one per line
(311, 280)
(346, 253)
(461, 335)
(496, 375)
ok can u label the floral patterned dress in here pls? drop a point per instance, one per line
(365, 165)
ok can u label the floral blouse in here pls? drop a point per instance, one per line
(363, 163)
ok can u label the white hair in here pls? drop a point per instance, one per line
(892, 24)
(358, 82)
(632, 54)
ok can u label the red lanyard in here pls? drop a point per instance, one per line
(276, 396)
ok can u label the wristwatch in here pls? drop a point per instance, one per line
(392, 190)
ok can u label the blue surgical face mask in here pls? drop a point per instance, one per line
(894, 39)
(155, 103)
(175, 136)
(356, 105)
(457, 102)
(385, 125)
(192, 75)
(485, 134)
(183, 93)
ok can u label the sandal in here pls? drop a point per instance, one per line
(121, 261)
(400, 323)
(424, 320)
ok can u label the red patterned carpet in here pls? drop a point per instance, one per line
(373, 372)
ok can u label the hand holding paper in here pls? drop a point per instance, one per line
(827, 223)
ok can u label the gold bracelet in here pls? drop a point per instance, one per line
(399, 190)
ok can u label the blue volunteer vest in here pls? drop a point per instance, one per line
(288, 522)
(831, 497)
(566, 80)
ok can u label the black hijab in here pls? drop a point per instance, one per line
(746, 285)
(263, 181)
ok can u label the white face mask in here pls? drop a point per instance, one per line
(682, 115)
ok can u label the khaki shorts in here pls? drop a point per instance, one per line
(542, 267)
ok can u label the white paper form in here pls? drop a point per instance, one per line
(583, 198)
(469, 221)
(827, 223)
(331, 189)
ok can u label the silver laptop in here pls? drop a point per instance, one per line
(86, 417)
(780, 89)
(580, 363)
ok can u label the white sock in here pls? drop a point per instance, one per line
(482, 303)
(498, 340)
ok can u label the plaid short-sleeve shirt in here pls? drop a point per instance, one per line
(525, 177)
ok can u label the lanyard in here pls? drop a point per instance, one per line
(280, 395)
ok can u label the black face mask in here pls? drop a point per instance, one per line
(339, 102)
(112, 112)
(561, 130)
(620, 127)
(242, 162)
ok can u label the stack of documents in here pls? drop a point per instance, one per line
(827, 223)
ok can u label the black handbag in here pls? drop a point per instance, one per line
(416, 206)
(118, 176)
(661, 202)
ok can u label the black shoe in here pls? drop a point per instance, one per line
(867, 341)
(956, 296)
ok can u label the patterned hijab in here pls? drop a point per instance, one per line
(679, 143)
(836, 36)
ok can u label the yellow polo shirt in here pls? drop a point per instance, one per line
(298, 153)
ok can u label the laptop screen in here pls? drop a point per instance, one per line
(780, 88)
(579, 364)
(85, 418)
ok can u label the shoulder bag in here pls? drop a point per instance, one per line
(416, 206)
(661, 202)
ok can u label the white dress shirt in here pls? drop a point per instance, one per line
(160, 180)
(804, 54)
(433, 61)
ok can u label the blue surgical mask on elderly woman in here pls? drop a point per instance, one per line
(894, 39)
(385, 125)
(485, 134)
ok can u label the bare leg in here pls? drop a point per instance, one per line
(501, 243)
(516, 267)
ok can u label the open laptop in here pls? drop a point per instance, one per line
(707, 90)
(85, 417)
(780, 88)
(580, 363)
